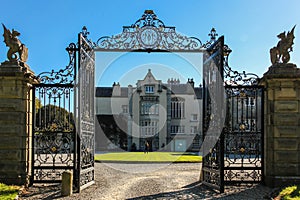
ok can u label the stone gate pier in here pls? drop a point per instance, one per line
(16, 79)
(282, 124)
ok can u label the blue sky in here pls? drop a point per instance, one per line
(249, 27)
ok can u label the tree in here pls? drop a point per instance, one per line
(54, 118)
(38, 104)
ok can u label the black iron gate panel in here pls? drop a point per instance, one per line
(213, 116)
(233, 147)
(53, 132)
(85, 114)
(243, 135)
(53, 120)
(63, 119)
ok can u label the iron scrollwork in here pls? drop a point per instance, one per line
(233, 77)
(243, 151)
(85, 116)
(61, 76)
(150, 34)
(68, 74)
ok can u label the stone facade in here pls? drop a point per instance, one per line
(166, 115)
(15, 121)
(282, 124)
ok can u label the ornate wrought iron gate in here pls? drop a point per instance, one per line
(213, 106)
(63, 119)
(233, 148)
(243, 135)
(53, 132)
(85, 111)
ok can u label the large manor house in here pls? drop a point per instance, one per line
(168, 116)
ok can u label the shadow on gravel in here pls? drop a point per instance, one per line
(42, 191)
(197, 191)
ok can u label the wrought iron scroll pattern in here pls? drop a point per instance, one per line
(54, 149)
(62, 76)
(212, 164)
(48, 175)
(233, 77)
(243, 151)
(150, 34)
(86, 113)
(53, 132)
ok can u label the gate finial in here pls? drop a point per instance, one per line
(84, 32)
(213, 35)
(149, 12)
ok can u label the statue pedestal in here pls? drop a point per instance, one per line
(9, 67)
(281, 70)
(16, 80)
(282, 125)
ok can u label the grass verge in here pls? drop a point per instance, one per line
(290, 193)
(8, 192)
(159, 157)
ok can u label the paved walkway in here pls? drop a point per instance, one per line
(148, 181)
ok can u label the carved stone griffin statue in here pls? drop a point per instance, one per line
(280, 53)
(15, 46)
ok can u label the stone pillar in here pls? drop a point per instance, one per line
(282, 125)
(67, 183)
(15, 121)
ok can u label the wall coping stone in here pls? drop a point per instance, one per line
(15, 69)
(282, 70)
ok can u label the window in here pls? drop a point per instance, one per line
(149, 108)
(177, 129)
(148, 127)
(194, 129)
(177, 107)
(149, 89)
(196, 142)
(125, 108)
(194, 117)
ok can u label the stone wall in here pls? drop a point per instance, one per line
(282, 125)
(15, 122)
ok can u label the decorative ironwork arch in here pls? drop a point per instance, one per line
(150, 34)
(236, 78)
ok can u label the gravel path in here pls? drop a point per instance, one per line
(146, 181)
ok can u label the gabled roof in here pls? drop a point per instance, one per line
(107, 91)
(176, 89)
(149, 78)
(198, 92)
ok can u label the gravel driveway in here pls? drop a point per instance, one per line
(147, 181)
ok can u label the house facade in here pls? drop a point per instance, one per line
(167, 116)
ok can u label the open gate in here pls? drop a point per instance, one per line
(213, 113)
(85, 111)
(63, 119)
(232, 122)
(64, 116)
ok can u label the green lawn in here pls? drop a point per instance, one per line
(8, 192)
(290, 193)
(150, 157)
